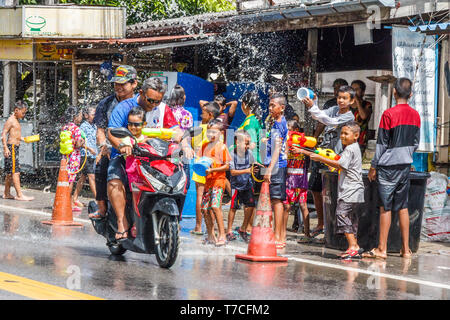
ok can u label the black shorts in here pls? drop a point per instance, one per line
(245, 197)
(277, 187)
(315, 177)
(393, 186)
(12, 162)
(101, 172)
(89, 166)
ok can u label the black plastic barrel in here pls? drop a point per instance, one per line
(369, 215)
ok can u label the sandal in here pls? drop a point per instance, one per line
(197, 233)
(280, 245)
(316, 232)
(230, 236)
(221, 243)
(122, 234)
(76, 209)
(352, 254)
(206, 241)
(243, 235)
(96, 215)
(373, 255)
(305, 239)
(78, 204)
(406, 255)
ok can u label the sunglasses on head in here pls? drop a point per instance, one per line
(135, 124)
(152, 101)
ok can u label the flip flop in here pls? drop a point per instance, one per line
(221, 243)
(373, 255)
(280, 245)
(95, 215)
(230, 236)
(122, 235)
(77, 209)
(206, 241)
(352, 254)
(197, 233)
(305, 239)
(316, 232)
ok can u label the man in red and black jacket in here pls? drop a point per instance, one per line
(398, 138)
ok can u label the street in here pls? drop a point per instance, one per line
(43, 262)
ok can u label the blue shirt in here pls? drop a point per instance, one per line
(242, 181)
(279, 129)
(90, 130)
(119, 117)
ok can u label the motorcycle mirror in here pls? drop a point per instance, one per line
(121, 132)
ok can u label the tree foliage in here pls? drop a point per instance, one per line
(145, 10)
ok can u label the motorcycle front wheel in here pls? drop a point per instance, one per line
(167, 248)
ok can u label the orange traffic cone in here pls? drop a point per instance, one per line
(262, 242)
(62, 206)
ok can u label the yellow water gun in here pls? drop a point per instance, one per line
(30, 139)
(327, 153)
(161, 133)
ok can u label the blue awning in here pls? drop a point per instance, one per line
(435, 28)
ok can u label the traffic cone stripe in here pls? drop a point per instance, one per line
(63, 184)
(263, 221)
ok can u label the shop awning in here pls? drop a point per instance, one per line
(435, 28)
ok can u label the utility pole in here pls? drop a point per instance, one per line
(9, 73)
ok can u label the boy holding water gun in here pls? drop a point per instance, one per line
(350, 187)
(334, 118)
(297, 181)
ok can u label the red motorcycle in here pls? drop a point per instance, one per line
(154, 206)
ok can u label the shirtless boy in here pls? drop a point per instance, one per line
(11, 137)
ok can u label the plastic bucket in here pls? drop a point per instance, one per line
(303, 93)
(202, 165)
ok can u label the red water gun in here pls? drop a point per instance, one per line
(299, 139)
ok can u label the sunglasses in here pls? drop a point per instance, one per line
(135, 124)
(152, 101)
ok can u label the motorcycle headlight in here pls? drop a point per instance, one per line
(158, 185)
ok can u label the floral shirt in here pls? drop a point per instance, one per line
(183, 117)
(75, 157)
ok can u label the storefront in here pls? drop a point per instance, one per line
(44, 74)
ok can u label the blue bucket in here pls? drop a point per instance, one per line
(202, 165)
(303, 93)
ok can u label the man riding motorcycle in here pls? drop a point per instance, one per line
(158, 115)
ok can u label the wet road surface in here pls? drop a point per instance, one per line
(57, 255)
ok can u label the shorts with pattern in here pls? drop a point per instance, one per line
(212, 198)
(296, 195)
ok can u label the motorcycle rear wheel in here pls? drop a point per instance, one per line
(167, 248)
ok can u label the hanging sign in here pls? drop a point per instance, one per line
(414, 57)
(49, 52)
